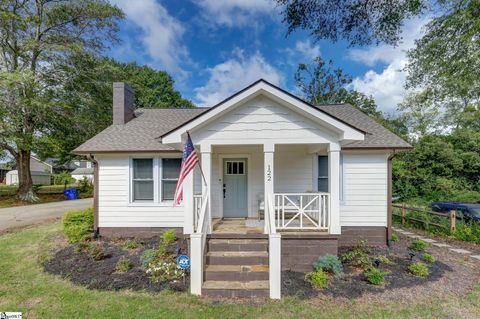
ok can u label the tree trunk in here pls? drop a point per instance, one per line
(25, 183)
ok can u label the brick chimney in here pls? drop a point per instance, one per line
(123, 103)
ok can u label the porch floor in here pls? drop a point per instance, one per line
(241, 226)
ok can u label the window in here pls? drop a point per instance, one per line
(235, 168)
(323, 174)
(170, 172)
(142, 182)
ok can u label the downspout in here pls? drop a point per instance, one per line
(389, 198)
(95, 195)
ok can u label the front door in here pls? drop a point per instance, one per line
(235, 202)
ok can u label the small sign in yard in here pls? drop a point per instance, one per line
(183, 262)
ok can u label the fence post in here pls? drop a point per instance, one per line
(404, 214)
(453, 220)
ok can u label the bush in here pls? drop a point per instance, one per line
(384, 260)
(78, 225)
(123, 265)
(467, 232)
(429, 258)
(96, 252)
(63, 178)
(318, 279)
(375, 276)
(418, 245)
(131, 244)
(169, 237)
(164, 271)
(148, 256)
(331, 264)
(419, 269)
(358, 255)
(395, 238)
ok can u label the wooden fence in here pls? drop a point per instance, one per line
(450, 216)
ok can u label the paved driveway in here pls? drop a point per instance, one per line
(31, 214)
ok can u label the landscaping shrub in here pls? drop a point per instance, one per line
(148, 256)
(85, 186)
(467, 232)
(384, 260)
(82, 246)
(395, 238)
(63, 178)
(358, 255)
(331, 264)
(132, 244)
(375, 276)
(418, 245)
(78, 225)
(419, 269)
(429, 258)
(96, 252)
(317, 278)
(123, 265)
(163, 270)
(169, 236)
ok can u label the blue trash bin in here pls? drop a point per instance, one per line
(71, 193)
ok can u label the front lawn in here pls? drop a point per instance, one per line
(24, 286)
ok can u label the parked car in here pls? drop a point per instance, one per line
(467, 212)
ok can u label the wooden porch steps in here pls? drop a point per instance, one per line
(236, 268)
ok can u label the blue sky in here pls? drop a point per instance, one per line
(213, 48)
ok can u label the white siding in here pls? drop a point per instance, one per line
(39, 166)
(364, 190)
(293, 169)
(114, 207)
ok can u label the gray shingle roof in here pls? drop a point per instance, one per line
(377, 135)
(82, 171)
(141, 133)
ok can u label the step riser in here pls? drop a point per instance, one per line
(237, 247)
(247, 260)
(235, 276)
(236, 293)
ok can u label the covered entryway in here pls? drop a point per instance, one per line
(235, 191)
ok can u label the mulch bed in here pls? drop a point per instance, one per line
(449, 274)
(79, 268)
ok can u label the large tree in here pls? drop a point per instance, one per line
(37, 37)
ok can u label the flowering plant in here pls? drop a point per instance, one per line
(164, 270)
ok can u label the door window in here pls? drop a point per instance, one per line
(235, 168)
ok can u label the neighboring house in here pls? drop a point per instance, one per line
(79, 174)
(306, 178)
(41, 173)
(4, 169)
(68, 166)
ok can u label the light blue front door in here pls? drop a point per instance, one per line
(235, 188)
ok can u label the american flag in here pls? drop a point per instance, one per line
(189, 160)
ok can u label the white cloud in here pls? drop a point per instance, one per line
(306, 49)
(387, 86)
(161, 33)
(232, 13)
(233, 75)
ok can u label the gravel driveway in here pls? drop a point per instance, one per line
(26, 215)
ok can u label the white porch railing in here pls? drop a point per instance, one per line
(197, 208)
(198, 241)
(301, 211)
(274, 249)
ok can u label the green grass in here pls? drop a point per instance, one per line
(25, 287)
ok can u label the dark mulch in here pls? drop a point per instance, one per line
(353, 284)
(79, 268)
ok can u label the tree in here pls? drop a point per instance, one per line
(37, 37)
(360, 22)
(87, 96)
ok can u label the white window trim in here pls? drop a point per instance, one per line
(157, 184)
(342, 175)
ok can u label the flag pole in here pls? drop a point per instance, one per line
(198, 163)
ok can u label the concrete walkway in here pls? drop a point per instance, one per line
(435, 243)
(26, 215)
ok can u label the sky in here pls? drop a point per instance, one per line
(214, 48)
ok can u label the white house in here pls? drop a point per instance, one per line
(285, 182)
(41, 173)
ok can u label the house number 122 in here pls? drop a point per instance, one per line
(269, 174)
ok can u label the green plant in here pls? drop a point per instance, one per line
(375, 276)
(428, 258)
(96, 252)
(331, 264)
(85, 186)
(132, 244)
(358, 255)
(123, 265)
(419, 269)
(82, 246)
(384, 260)
(148, 256)
(164, 270)
(395, 238)
(63, 178)
(169, 236)
(317, 278)
(78, 225)
(418, 245)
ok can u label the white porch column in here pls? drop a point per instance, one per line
(268, 155)
(334, 187)
(188, 226)
(206, 163)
